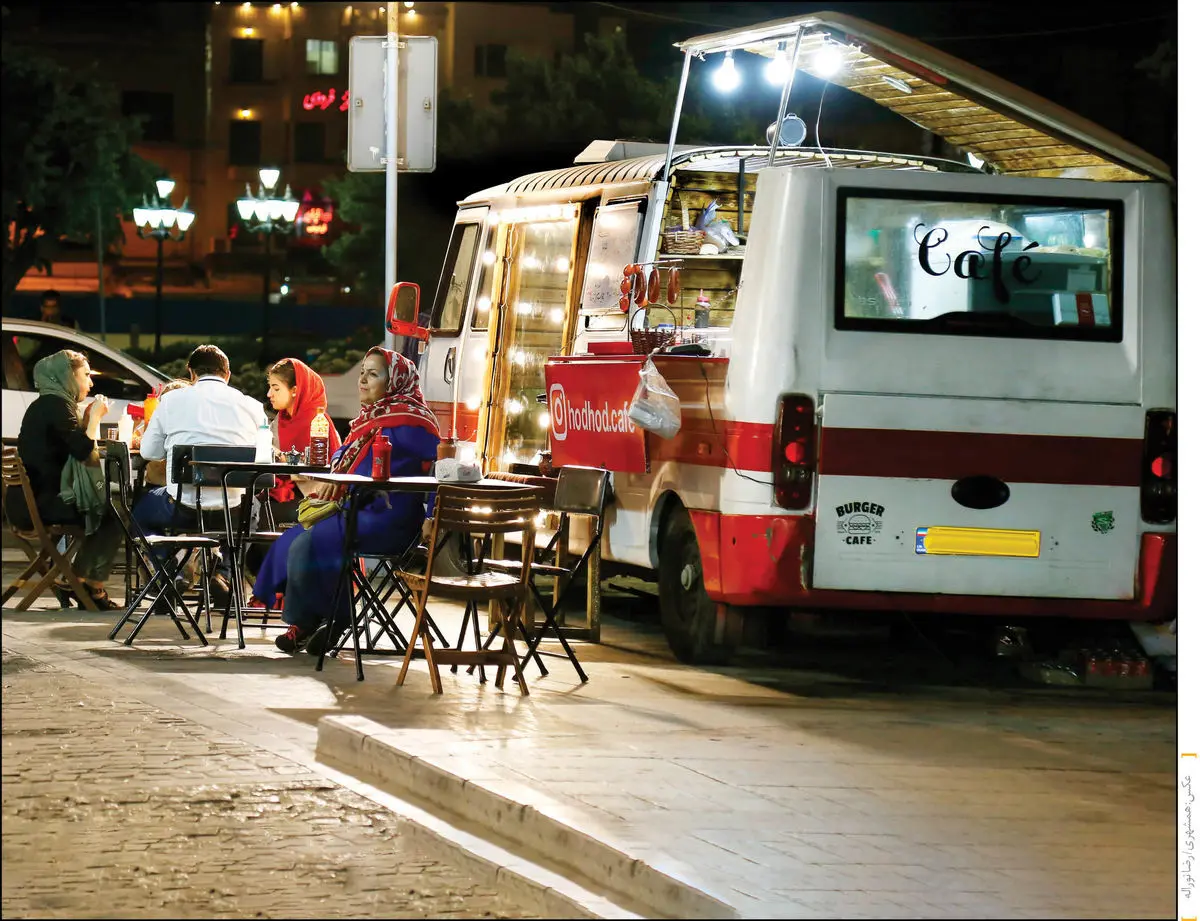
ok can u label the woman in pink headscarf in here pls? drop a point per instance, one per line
(392, 403)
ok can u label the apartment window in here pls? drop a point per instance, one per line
(489, 60)
(309, 144)
(157, 111)
(321, 57)
(245, 143)
(246, 60)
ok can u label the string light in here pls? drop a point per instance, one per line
(777, 68)
(472, 403)
(827, 61)
(544, 421)
(514, 407)
(563, 264)
(524, 308)
(483, 303)
(557, 315)
(489, 258)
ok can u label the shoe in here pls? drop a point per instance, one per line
(291, 639)
(316, 643)
(218, 590)
(255, 605)
(64, 596)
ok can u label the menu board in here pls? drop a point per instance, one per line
(614, 245)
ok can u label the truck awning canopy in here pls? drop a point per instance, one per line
(1017, 132)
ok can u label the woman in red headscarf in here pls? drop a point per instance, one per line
(392, 403)
(297, 395)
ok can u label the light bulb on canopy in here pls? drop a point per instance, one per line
(827, 61)
(777, 68)
(727, 79)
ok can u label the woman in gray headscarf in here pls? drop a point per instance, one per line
(57, 444)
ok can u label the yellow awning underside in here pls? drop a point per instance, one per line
(1017, 132)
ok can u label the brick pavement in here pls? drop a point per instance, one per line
(114, 808)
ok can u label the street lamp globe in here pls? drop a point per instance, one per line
(165, 187)
(269, 176)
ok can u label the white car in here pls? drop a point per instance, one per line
(120, 377)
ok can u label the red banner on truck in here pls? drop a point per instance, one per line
(589, 414)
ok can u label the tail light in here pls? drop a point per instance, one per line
(795, 451)
(1159, 496)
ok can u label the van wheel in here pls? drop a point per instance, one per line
(689, 615)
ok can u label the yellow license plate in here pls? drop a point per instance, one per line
(948, 541)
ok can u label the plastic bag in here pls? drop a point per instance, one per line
(655, 407)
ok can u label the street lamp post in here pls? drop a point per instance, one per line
(160, 221)
(268, 214)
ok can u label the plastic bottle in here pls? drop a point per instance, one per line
(149, 406)
(264, 445)
(125, 428)
(702, 308)
(381, 456)
(318, 439)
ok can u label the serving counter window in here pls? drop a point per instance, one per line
(1022, 268)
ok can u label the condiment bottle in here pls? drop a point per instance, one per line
(318, 439)
(381, 456)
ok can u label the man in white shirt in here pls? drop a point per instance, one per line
(209, 412)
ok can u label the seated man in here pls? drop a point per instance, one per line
(209, 412)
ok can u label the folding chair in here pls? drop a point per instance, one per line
(361, 586)
(193, 465)
(40, 542)
(580, 491)
(477, 513)
(146, 549)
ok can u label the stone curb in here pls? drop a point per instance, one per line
(375, 750)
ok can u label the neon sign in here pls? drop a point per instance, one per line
(316, 220)
(323, 101)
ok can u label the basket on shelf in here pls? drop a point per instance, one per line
(647, 340)
(682, 242)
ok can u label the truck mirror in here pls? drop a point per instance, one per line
(402, 312)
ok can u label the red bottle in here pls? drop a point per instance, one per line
(381, 456)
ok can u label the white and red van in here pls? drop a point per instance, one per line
(927, 387)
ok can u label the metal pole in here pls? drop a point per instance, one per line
(100, 272)
(784, 99)
(687, 63)
(266, 318)
(391, 79)
(158, 299)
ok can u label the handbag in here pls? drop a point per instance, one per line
(313, 510)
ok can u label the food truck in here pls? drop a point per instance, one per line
(904, 383)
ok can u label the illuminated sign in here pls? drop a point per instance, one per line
(316, 220)
(323, 101)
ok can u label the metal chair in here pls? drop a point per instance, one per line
(147, 550)
(479, 514)
(579, 491)
(39, 542)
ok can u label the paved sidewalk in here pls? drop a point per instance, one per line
(113, 808)
(846, 803)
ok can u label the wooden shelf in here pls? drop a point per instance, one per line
(663, 257)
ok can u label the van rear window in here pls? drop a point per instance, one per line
(979, 266)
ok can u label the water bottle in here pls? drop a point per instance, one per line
(318, 439)
(264, 445)
(381, 456)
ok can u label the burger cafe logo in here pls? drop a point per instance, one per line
(859, 522)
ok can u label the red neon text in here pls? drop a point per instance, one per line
(323, 101)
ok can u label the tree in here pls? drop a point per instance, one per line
(67, 154)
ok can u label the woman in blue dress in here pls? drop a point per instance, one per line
(392, 402)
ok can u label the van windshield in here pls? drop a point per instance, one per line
(975, 265)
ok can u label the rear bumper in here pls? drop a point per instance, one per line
(764, 560)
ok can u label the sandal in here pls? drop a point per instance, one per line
(100, 598)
